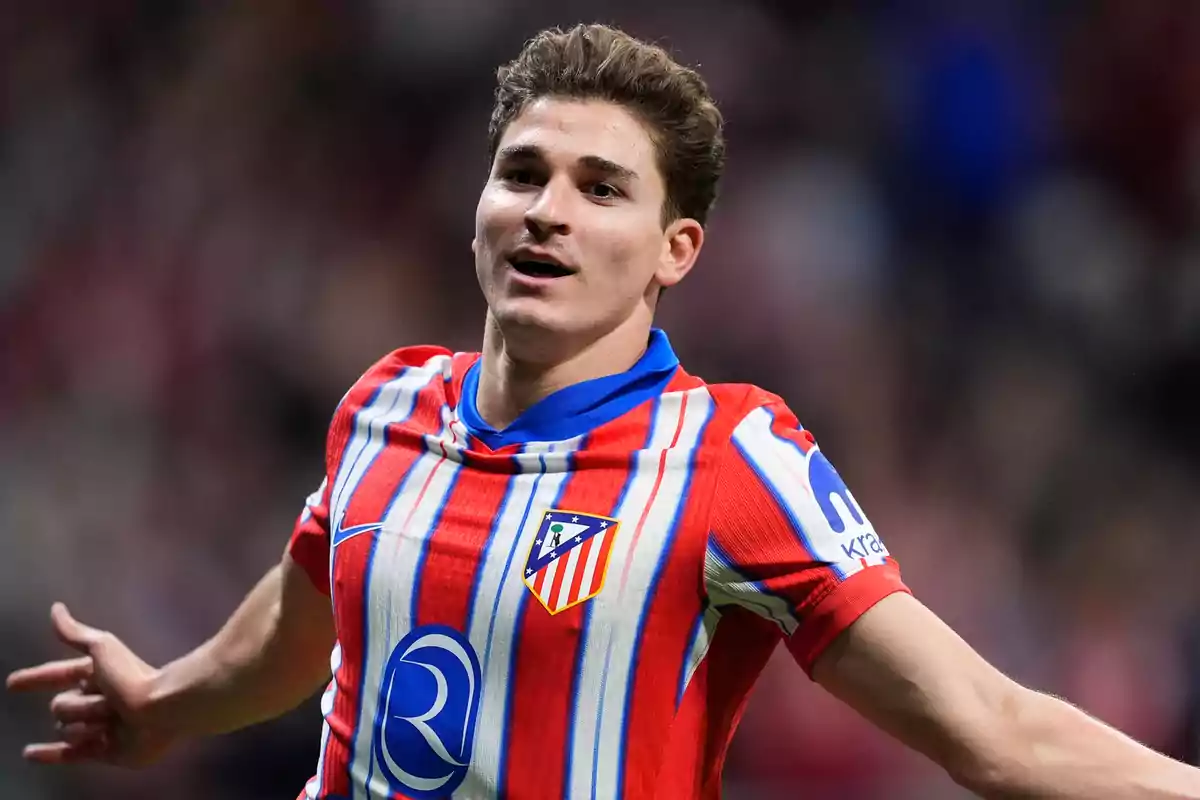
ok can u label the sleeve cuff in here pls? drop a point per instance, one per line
(311, 553)
(839, 609)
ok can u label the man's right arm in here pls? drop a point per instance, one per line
(270, 655)
(112, 706)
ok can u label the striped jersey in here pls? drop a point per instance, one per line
(575, 606)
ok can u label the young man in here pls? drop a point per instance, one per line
(557, 567)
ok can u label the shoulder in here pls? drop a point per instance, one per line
(405, 370)
(740, 406)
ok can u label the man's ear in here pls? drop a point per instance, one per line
(682, 241)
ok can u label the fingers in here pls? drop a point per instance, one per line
(74, 706)
(78, 741)
(65, 752)
(54, 675)
(59, 675)
(81, 734)
(71, 631)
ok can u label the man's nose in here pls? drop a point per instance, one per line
(549, 213)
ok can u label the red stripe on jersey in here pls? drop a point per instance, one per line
(461, 364)
(456, 545)
(662, 467)
(677, 600)
(681, 381)
(758, 536)
(560, 572)
(309, 545)
(785, 425)
(368, 504)
(599, 575)
(712, 706)
(540, 580)
(585, 550)
(543, 693)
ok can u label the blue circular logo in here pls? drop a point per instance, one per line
(425, 723)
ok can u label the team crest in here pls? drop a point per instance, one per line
(569, 558)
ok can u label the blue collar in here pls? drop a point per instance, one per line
(577, 409)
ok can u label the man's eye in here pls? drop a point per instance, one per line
(604, 191)
(521, 176)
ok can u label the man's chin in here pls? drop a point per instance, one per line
(533, 315)
(534, 331)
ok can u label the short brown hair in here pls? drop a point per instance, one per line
(598, 62)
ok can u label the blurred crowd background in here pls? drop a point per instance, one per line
(961, 239)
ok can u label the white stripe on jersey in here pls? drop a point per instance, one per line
(393, 403)
(614, 628)
(706, 628)
(498, 599)
(548, 581)
(564, 591)
(727, 586)
(313, 501)
(388, 586)
(785, 470)
(589, 569)
(313, 789)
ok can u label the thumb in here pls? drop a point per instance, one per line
(71, 631)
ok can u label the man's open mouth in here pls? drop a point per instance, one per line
(539, 269)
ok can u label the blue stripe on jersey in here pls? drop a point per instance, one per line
(366, 626)
(727, 562)
(587, 614)
(652, 590)
(777, 493)
(521, 606)
(687, 650)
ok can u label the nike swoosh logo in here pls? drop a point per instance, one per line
(342, 534)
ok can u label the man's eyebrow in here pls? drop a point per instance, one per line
(532, 152)
(610, 168)
(521, 152)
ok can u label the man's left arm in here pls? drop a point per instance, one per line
(906, 671)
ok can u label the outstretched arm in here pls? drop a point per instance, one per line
(906, 671)
(112, 706)
(271, 654)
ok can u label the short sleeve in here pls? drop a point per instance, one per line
(787, 539)
(309, 545)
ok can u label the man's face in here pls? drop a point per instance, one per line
(569, 240)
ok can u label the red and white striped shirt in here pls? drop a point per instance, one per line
(576, 606)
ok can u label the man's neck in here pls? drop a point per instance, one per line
(509, 385)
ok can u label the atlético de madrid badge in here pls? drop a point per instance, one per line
(569, 558)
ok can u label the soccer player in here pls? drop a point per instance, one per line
(555, 569)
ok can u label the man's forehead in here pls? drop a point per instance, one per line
(570, 130)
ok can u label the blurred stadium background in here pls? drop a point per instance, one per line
(961, 239)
